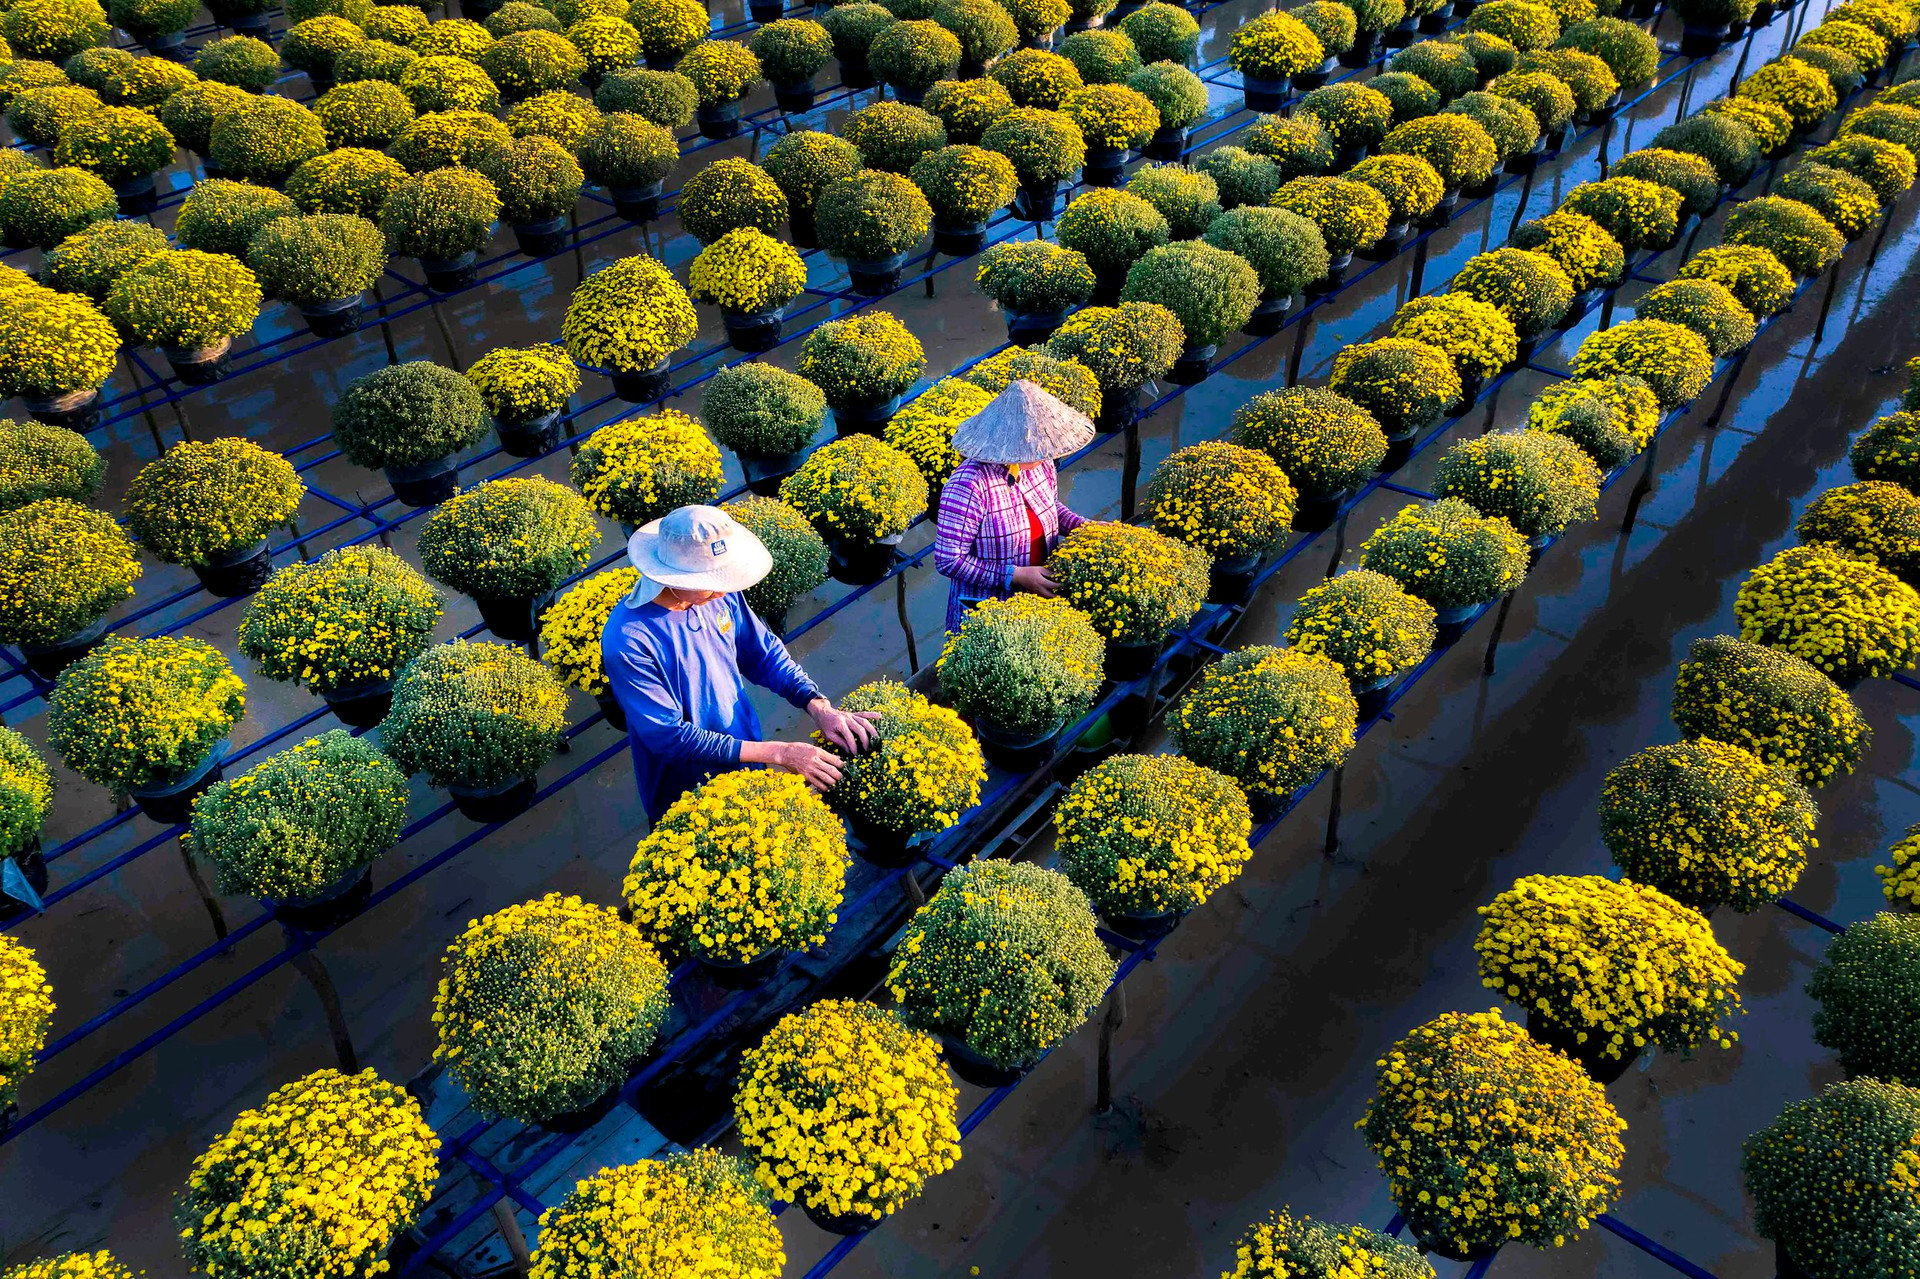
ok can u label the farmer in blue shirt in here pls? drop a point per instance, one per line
(681, 649)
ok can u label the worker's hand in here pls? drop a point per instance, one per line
(851, 732)
(1034, 578)
(820, 768)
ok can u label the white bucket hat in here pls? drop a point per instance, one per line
(696, 548)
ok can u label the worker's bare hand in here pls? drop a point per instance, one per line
(820, 768)
(852, 732)
(1035, 579)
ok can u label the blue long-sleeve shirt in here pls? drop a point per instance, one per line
(681, 676)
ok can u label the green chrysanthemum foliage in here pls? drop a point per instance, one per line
(373, 60)
(1212, 291)
(791, 50)
(223, 216)
(200, 501)
(1447, 67)
(1522, 23)
(1162, 32)
(1873, 520)
(1784, 710)
(90, 260)
(1101, 57)
(1885, 166)
(1539, 482)
(730, 194)
(241, 61)
(1033, 18)
(1350, 215)
(1705, 306)
(407, 415)
(446, 83)
(1124, 346)
(1044, 146)
(667, 98)
(1528, 288)
(39, 116)
(1805, 242)
(311, 46)
(41, 461)
(529, 62)
(984, 28)
(1405, 384)
(1272, 719)
(1868, 989)
(1037, 78)
(625, 149)
(449, 139)
(1411, 96)
(1494, 55)
(1836, 1180)
(1325, 442)
(518, 15)
(1332, 23)
(1287, 250)
(1729, 145)
(854, 28)
(1509, 122)
(537, 178)
(1688, 176)
(893, 135)
(1612, 418)
(804, 163)
(318, 257)
(302, 819)
(914, 55)
(90, 68)
(1242, 176)
(1675, 361)
(1004, 958)
(475, 715)
(266, 139)
(119, 144)
(1755, 277)
(1889, 449)
(350, 180)
(566, 118)
(1448, 554)
(1629, 52)
(185, 299)
(441, 214)
(1845, 201)
(1841, 70)
(966, 107)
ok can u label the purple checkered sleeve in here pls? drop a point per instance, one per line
(983, 533)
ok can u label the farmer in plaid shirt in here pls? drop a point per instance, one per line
(1000, 511)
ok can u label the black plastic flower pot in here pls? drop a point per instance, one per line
(860, 563)
(137, 195)
(855, 73)
(32, 866)
(975, 1069)
(1465, 8)
(48, 660)
(662, 61)
(241, 22)
(877, 846)
(875, 277)
(801, 228)
(846, 1224)
(640, 386)
(1265, 93)
(1554, 143)
(1366, 47)
(498, 804)
(479, 10)
(1035, 200)
(1699, 41)
(864, 419)
(1107, 286)
(795, 99)
(534, 437)
(1269, 317)
(1025, 328)
(765, 471)
(911, 94)
(1194, 364)
(76, 410)
(766, 10)
(1371, 697)
(1043, 41)
(1470, 385)
(360, 705)
(1452, 1254)
(1104, 166)
(958, 239)
(1401, 34)
(719, 122)
(1123, 9)
(320, 82)
(1391, 241)
(1075, 25)
(577, 1121)
(541, 239)
(1143, 927)
(1118, 408)
(1454, 621)
(331, 906)
(1604, 112)
(516, 618)
(1167, 146)
(738, 974)
(1231, 581)
(200, 365)
(1480, 190)
(239, 572)
(171, 45)
(1316, 512)
(1127, 662)
(425, 484)
(1602, 1069)
(1523, 161)
(1305, 81)
(636, 203)
(1017, 752)
(1432, 24)
(172, 804)
(333, 318)
(1784, 1266)
(1441, 214)
(450, 275)
(753, 331)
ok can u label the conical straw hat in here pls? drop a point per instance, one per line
(1025, 423)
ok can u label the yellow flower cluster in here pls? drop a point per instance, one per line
(519, 384)
(1477, 337)
(315, 1182)
(354, 616)
(695, 1214)
(628, 317)
(26, 1011)
(1577, 244)
(923, 428)
(637, 469)
(544, 1006)
(857, 487)
(847, 1110)
(185, 299)
(1620, 965)
(1229, 501)
(1900, 877)
(1125, 346)
(1528, 287)
(799, 554)
(1023, 665)
(118, 143)
(1845, 614)
(1612, 418)
(63, 566)
(1448, 554)
(73, 1265)
(1708, 823)
(1147, 835)
(1273, 719)
(966, 184)
(142, 713)
(1134, 584)
(1771, 703)
(1112, 115)
(747, 270)
(1275, 46)
(1540, 482)
(1365, 624)
(571, 627)
(26, 789)
(1067, 380)
(1638, 213)
(925, 770)
(1874, 520)
(52, 344)
(749, 862)
(1800, 88)
(473, 715)
(1005, 958)
(865, 359)
(199, 501)
(669, 28)
(513, 538)
(1672, 360)
(1288, 1247)
(1405, 384)
(1487, 1138)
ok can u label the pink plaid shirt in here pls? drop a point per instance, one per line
(984, 533)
